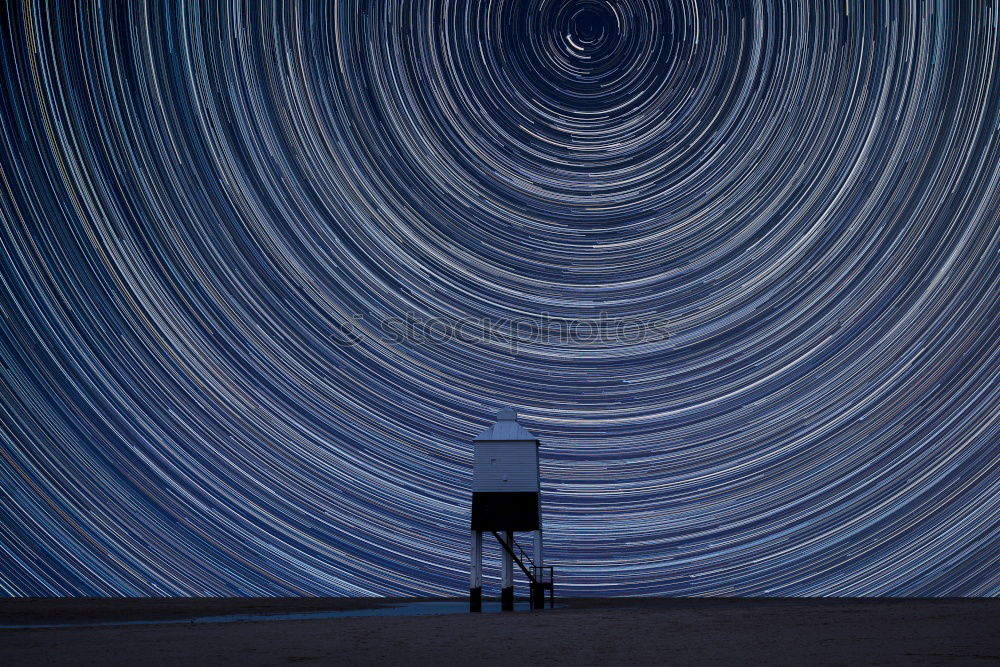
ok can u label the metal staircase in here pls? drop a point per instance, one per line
(540, 577)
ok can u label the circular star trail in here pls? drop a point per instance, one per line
(217, 216)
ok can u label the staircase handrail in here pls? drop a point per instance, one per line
(530, 575)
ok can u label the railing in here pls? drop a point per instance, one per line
(541, 577)
(509, 548)
(524, 556)
(543, 574)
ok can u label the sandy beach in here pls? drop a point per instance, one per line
(582, 632)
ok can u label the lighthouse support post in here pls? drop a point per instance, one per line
(476, 572)
(507, 574)
(537, 589)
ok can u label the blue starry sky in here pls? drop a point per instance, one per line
(218, 217)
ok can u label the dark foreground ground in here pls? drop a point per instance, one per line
(583, 632)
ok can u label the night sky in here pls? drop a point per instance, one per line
(267, 270)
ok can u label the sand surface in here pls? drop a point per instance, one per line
(584, 632)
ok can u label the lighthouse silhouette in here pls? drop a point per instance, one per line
(506, 499)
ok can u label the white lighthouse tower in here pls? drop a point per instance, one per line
(505, 500)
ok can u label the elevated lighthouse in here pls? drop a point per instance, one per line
(506, 499)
